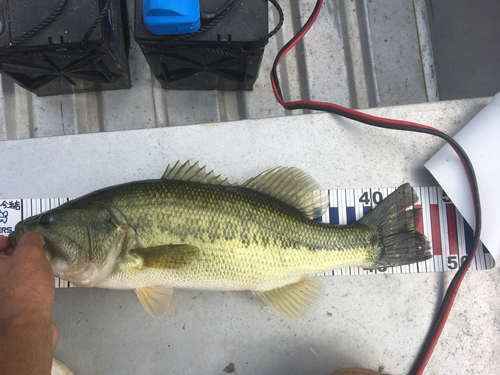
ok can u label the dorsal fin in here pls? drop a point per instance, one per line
(292, 186)
(193, 173)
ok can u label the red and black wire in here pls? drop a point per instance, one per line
(444, 310)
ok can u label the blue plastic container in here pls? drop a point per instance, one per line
(165, 17)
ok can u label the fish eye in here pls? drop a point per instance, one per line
(45, 220)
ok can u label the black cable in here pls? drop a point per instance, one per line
(207, 16)
(264, 38)
(277, 27)
(259, 42)
(452, 290)
(53, 15)
(104, 12)
(291, 43)
(204, 26)
(39, 27)
(221, 15)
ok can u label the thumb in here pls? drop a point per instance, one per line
(32, 239)
(30, 246)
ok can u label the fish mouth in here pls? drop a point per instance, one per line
(14, 241)
(19, 230)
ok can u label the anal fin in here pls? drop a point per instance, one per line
(157, 300)
(296, 300)
(59, 368)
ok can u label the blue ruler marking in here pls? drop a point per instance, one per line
(334, 215)
(351, 215)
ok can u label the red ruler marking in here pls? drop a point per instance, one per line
(452, 229)
(436, 230)
(419, 225)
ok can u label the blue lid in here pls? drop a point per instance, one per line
(172, 16)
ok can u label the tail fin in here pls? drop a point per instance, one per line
(398, 241)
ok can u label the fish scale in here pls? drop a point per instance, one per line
(193, 230)
(258, 242)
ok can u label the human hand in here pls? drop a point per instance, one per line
(27, 282)
(28, 333)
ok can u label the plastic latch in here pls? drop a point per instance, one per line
(164, 17)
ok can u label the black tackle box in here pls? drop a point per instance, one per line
(53, 47)
(224, 54)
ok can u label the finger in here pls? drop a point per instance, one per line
(30, 245)
(4, 243)
(6, 249)
(32, 239)
(7, 252)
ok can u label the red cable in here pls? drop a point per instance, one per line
(345, 110)
(435, 339)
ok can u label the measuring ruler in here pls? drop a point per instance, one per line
(448, 233)
(450, 236)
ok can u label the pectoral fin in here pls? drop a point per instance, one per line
(295, 300)
(165, 256)
(157, 300)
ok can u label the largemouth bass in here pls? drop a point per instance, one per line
(193, 230)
